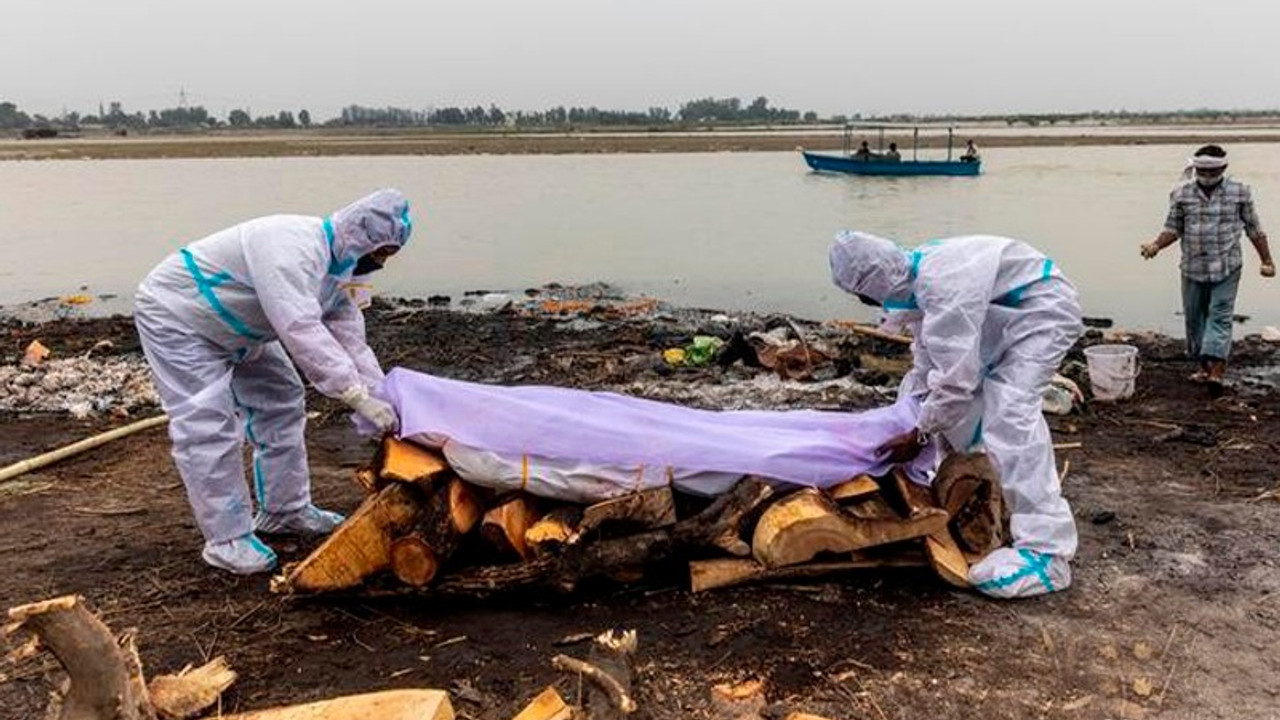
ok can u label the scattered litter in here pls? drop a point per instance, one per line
(80, 385)
(1271, 333)
(34, 354)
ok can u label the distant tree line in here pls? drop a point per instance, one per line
(720, 111)
(706, 110)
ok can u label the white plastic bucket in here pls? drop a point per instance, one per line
(1112, 370)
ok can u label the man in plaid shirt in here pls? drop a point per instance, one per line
(1208, 215)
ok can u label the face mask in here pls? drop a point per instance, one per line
(365, 265)
(1208, 180)
(866, 300)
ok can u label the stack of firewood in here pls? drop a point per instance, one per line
(420, 526)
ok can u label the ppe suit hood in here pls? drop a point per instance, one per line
(367, 224)
(864, 264)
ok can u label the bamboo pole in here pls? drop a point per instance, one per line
(25, 466)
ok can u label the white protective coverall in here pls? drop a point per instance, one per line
(216, 319)
(992, 319)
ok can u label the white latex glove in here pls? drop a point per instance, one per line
(376, 411)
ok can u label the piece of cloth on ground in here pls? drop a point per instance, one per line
(651, 441)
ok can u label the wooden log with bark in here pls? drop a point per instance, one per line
(710, 529)
(449, 512)
(105, 680)
(644, 510)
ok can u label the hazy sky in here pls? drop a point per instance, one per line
(832, 56)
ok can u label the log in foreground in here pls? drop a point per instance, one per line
(105, 676)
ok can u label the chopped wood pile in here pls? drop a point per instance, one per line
(422, 529)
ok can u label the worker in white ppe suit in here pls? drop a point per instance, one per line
(219, 321)
(992, 319)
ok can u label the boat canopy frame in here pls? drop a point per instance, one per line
(879, 128)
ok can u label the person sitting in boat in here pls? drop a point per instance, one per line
(970, 152)
(864, 152)
(893, 155)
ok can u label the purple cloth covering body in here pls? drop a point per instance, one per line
(803, 447)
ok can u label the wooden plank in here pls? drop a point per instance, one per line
(645, 510)
(805, 523)
(548, 705)
(387, 705)
(361, 546)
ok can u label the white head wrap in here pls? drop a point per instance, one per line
(1207, 162)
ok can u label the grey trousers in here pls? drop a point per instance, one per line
(1208, 307)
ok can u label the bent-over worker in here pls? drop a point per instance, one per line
(219, 321)
(992, 319)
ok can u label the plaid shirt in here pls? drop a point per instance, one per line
(1210, 226)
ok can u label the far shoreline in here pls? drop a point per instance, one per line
(328, 142)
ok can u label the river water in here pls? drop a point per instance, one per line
(733, 231)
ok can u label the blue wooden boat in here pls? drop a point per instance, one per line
(855, 166)
(878, 162)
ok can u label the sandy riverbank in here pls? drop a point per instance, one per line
(327, 142)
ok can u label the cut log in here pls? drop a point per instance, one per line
(388, 705)
(968, 488)
(548, 705)
(186, 694)
(805, 523)
(553, 530)
(361, 546)
(946, 559)
(404, 461)
(609, 670)
(413, 561)
(106, 681)
(858, 487)
(726, 572)
(504, 526)
(450, 511)
(645, 510)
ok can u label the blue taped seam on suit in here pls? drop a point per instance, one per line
(259, 481)
(206, 285)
